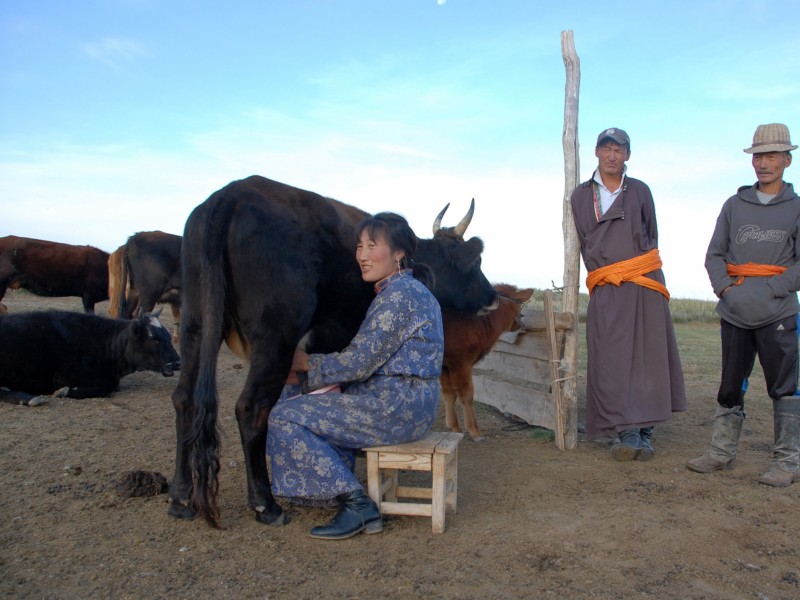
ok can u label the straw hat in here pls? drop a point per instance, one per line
(771, 138)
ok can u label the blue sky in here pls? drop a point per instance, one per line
(121, 116)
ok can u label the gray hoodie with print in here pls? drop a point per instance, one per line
(748, 231)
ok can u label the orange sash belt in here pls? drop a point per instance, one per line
(633, 270)
(753, 270)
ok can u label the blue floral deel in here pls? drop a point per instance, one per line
(389, 377)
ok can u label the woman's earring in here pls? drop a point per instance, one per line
(398, 265)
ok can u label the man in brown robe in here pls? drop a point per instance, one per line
(634, 377)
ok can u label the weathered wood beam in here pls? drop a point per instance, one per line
(572, 267)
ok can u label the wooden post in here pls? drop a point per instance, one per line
(555, 372)
(572, 266)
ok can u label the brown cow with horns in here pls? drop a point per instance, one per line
(264, 266)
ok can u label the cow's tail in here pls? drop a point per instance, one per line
(122, 293)
(115, 281)
(204, 459)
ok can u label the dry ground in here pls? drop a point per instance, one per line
(532, 521)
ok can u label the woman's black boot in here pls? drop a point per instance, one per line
(358, 513)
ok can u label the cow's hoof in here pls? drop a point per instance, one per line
(479, 439)
(276, 520)
(181, 510)
(37, 401)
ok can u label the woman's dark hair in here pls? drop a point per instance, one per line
(397, 233)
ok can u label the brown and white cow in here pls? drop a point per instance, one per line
(265, 264)
(144, 271)
(54, 269)
(467, 339)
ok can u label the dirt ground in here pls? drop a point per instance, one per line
(532, 521)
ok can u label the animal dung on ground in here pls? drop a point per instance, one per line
(134, 484)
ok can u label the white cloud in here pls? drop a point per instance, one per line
(106, 193)
(114, 51)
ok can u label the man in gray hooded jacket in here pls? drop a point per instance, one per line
(753, 262)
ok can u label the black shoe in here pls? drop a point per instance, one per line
(358, 513)
(647, 451)
(628, 447)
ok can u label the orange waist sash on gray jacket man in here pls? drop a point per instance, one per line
(753, 270)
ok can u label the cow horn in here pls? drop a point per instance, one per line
(437, 223)
(461, 228)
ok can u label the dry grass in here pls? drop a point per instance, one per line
(684, 310)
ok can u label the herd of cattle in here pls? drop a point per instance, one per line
(72, 354)
(261, 265)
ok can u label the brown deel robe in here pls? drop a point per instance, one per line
(634, 377)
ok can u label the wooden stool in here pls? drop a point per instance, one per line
(438, 453)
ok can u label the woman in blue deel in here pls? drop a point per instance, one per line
(388, 380)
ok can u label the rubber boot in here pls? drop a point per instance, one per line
(724, 441)
(786, 454)
(647, 451)
(358, 513)
(628, 446)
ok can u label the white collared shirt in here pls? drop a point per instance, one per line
(607, 196)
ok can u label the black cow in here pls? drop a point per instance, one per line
(45, 352)
(54, 269)
(144, 271)
(264, 264)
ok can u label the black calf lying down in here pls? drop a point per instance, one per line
(77, 355)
